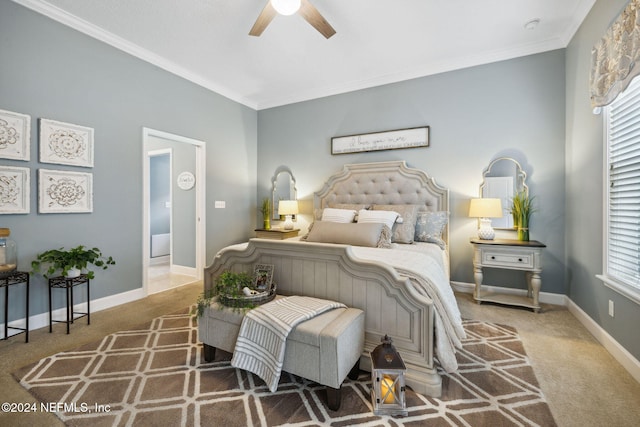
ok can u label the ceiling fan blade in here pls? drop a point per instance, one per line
(265, 17)
(317, 21)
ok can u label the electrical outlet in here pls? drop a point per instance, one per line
(610, 308)
(219, 204)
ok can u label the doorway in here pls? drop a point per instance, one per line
(173, 210)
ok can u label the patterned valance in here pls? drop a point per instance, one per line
(613, 59)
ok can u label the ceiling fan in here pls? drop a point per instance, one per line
(289, 7)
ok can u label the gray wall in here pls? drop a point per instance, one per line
(49, 70)
(513, 108)
(585, 176)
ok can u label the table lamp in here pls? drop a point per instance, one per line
(484, 209)
(288, 208)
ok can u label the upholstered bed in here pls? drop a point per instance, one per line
(398, 274)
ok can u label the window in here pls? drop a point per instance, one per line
(622, 219)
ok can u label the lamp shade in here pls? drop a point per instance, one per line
(288, 207)
(485, 208)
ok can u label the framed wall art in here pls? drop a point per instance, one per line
(66, 143)
(64, 192)
(14, 190)
(387, 140)
(15, 135)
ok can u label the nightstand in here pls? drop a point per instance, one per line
(276, 233)
(509, 255)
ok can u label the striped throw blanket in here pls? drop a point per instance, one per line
(260, 345)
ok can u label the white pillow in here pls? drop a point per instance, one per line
(385, 217)
(338, 215)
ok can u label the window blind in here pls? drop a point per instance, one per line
(623, 229)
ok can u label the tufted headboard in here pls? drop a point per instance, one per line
(384, 183)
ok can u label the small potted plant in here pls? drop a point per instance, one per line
(71, 262)
(521, 210)
(265, 209)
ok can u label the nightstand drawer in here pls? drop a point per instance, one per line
(504, 259)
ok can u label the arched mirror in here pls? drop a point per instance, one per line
(283, 188)
(501, 180)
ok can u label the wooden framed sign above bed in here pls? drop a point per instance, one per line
(387, 140)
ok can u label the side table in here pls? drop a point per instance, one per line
(6, 280)
(276, 233)
(69, 283)
(510, 255)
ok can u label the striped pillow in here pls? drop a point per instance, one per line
(338, 215)
(387, 218)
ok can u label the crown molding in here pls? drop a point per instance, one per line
(98, 33)
(63, 17)
(579, 15)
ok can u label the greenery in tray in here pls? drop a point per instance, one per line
(61, 260)
(228, 289)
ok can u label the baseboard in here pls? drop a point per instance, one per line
(42, 320)
(626, 359)
(181, 269)
(165, 259)
(544, 297)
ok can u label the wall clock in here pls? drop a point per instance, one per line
(186, 181)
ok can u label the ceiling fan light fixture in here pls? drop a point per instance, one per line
(286, 7)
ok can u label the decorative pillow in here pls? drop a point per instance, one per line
(405, 230)
(355, 206)
(387, 218)
(373, 235)
(429, 227)
(338, 215)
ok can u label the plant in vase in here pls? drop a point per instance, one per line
(71, 262)
(521, 210)
(265, 209)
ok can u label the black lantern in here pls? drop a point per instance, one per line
(387, 380)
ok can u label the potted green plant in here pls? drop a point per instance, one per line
(521, 210)
(71, 262)
(265, 209)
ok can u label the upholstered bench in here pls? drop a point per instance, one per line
(324, 349)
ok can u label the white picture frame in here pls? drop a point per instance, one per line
(64, 191)
(263, 277)
(14, 190)
(15, 135)
(377, 141)
(66, 144)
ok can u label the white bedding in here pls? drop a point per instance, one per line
(428, 274)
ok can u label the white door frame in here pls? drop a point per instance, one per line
(200, 200)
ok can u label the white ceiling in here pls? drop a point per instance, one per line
(377, 41)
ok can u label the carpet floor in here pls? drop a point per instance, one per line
(155, 375)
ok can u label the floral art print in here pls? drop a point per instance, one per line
(65, 143)
(65, 192)
(14, 190)
(15, 129)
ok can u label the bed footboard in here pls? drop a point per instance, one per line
(330, 271)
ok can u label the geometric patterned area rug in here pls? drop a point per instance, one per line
(156, 376)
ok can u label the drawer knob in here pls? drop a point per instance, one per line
(520, 259)
(493, 257)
